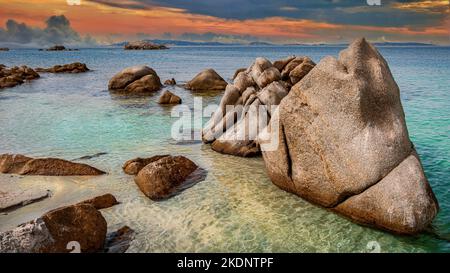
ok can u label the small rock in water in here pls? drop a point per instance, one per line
(119, 241)
(66, 68)
(91, 156)
(169, 98)
(135, 80)
(170, 82)
(23, 165)
(206, 80)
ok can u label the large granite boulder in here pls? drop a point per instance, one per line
(135, 80)
(10, 77)
(165, 177)
(207, 80)
(343, 144)
(66, 68)
(23, 165)
(55, 231)
(247, 105)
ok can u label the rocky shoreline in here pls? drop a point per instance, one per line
(342, 141)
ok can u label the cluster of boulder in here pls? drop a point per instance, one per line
(24, 165)
(58, 48)
(76, 67)
(260, 87)
(75, 228)
(160, 177)
(10, 77)
(143, 45)
(341, 136)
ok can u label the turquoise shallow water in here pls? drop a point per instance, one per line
(236, 208)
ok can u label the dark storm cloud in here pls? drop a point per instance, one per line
(356, 12)
(57, 31)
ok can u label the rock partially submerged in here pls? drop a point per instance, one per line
(4, 49)
(23, 165)
(207, 80)
(12, 197)
(143, 45)
(135, 80)
(57, 231)
(169, 98)
(247, 105)
(133, 166)
(101, 202)
(343, 144)
(167, 176)
(119, 241)
(170, 82)
(66, 68)
(10, 77)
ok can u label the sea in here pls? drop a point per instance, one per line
(236, 208)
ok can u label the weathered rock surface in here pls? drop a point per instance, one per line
(135, 80)
(133, 166)
(169, 98)
(55, 230)
(10, 77)
(143, 45)
(206, 80)
(165, 177)
(343, 143)
(66, 68)
(23, 165)
(101, 202)
(247, 105)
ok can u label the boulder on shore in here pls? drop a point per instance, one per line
(23, 165)
(165, 177)
(169, 98)
(66, 68)
(10, 77)
(58, 231)
(207, 80)
(343, 144)
(143, 45)
(135, 80)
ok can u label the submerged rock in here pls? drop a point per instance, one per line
(13, 198)
(23, 165)
(66, 68)
(143, 45)
(56, 231)
(164, 177)
(247, 106)
(10, 77)
(343, 144)
(119, 241)
(169, 98)
(170, 82)
(58, 48)
(4, 49)
(135, 80)
(133, 166)
(206, 80)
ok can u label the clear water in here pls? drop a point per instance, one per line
(236, 208)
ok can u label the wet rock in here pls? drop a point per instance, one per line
(91, 156)
(143, 45)
(206, 80)
(343, 143)
(170, 82)
(133, 166)
(23, 165)
(54, 232)
(101, 202)
(136, 79)
(165, 177)
(169, 98)
(66, 68)
(13, 197)
(119, 241)
(10, 77)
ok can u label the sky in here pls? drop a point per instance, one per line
(42, 22)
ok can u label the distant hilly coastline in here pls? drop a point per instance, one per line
(259, 43)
